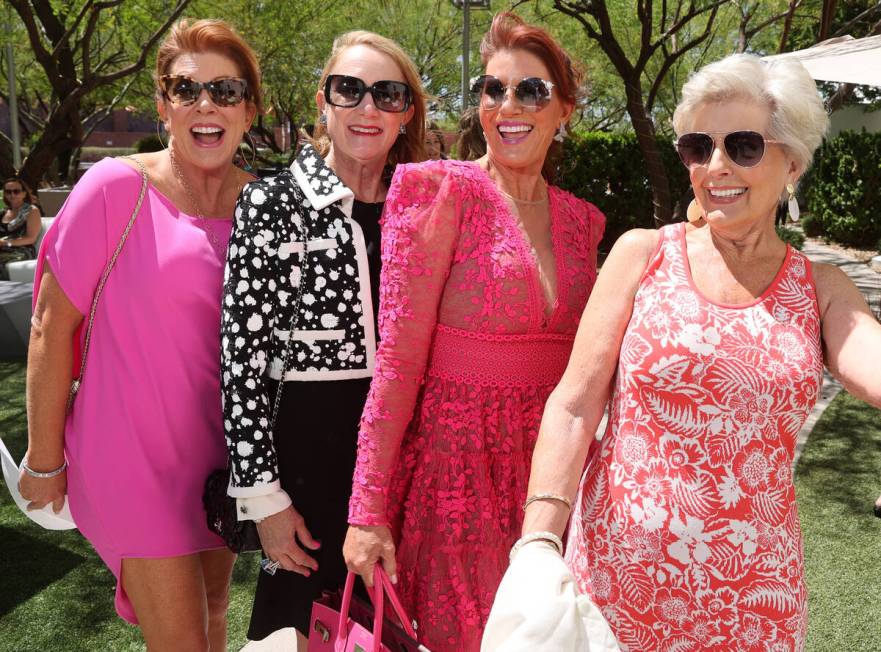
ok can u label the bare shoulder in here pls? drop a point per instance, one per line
(150, 161)
(636, 245)
(834, 287)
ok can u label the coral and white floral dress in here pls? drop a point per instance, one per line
(470, 350)
(686, 531)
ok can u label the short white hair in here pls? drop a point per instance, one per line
(798, 117)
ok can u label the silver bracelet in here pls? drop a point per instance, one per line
(536, 536)
(557, 497)
(48, 474)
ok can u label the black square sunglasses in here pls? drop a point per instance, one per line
(532, 93)
(184, 91)
(744, 148)
(347, 92)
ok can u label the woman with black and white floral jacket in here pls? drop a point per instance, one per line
(302, 277)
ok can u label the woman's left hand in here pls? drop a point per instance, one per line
(367, 544)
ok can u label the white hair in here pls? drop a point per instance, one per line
(798, 117)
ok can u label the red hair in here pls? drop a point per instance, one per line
(209, 35)
(509, 32)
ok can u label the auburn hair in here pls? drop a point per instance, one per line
(510, 32)
(210, 35)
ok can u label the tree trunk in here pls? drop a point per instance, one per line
(648, 144)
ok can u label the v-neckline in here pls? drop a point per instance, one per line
(544, 308)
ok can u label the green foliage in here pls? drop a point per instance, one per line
(791, 236)
(150, 143)
(843, 188)
(811, 226)
(608, 170)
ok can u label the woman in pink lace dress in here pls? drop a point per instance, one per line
(486, 269)
(712, 338)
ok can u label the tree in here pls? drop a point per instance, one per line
(84, 49)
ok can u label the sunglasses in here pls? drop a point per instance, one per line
(12, 191)
(744, 148)
(184, 91)
(532, 93)
(347, 92)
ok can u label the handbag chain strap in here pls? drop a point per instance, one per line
(296, 311)
(78, 381)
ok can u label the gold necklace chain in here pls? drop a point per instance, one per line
(206, 227)
(516, 200)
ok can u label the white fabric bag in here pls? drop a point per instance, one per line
(45, 517)
(538, 609)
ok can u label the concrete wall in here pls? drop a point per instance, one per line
(853, 118)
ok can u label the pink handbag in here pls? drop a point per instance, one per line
(338, 624)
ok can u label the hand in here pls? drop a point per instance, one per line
(364, 546)
(278, 536)
(42, 491)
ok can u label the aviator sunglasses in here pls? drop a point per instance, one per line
(347, 92)
(744, 148)
(532, 93)
(184, 91)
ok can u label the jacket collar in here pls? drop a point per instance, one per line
(318, 182)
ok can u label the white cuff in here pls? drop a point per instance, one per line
(256, 508)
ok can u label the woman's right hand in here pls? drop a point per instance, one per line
(278, 537)
(367, 544)
(43, 491)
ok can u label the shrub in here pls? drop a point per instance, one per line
(149, 144)
(793, 237)
(843, 188)
(608, 169)
(811, 226)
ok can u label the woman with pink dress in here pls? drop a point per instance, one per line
(486, 269)
(145, 430)
(711, 337)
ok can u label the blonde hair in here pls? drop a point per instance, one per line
(798, 117)
(409, 147)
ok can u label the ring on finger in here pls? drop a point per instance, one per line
(269, 566)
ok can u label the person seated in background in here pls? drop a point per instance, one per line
(20, 225)
(435, 146)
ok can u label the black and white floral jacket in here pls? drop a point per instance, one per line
(333, 337)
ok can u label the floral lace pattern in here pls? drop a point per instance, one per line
(468, 353)
(686, 531)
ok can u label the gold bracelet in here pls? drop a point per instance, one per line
(557, 497)
(550, 537)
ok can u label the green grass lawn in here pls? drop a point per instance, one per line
(56, 595)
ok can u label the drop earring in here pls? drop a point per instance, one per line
(561, 133)
(794, 211)
(322, 119)
(694, 213)
(403, 129)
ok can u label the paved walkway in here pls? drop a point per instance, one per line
(869, 283)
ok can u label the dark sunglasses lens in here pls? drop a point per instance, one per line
(227, 92)
(491, 91)
(344, 91)
(532, 92)
(391, 96)
(694, 149)
(12, 191)
(183, 90)
(745, 148)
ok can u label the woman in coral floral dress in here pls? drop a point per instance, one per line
(486, 269)
(685, 532)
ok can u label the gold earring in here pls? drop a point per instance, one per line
(694, 213)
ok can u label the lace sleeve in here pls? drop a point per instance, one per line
(420, 231)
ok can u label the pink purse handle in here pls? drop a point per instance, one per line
(381, 584)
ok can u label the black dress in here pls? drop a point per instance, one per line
(316, 443)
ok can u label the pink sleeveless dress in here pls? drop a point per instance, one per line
(686, 531)
(469, 353)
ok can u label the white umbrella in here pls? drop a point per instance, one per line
(44, 517)
(844, 59)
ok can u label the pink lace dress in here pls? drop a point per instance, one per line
(469, 352)
(686, 530)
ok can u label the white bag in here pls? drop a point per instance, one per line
(45, 517)
(538, 609)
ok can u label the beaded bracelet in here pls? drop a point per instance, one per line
(550, 537)
(47, 474)
(556, 497)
